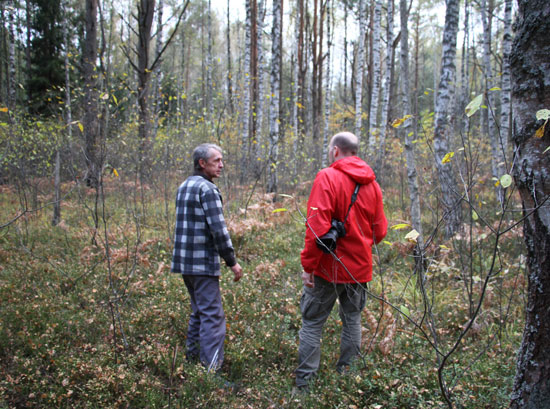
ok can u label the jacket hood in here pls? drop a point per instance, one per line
(356, 168)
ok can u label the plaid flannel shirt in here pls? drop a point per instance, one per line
(201, 235)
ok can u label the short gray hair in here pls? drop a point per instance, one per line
(203, 152)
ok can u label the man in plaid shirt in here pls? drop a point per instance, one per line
(201, 237)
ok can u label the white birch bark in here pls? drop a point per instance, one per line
(229, 73)
(359, 68)
(387, 82)
(327, 88)
(274, 100)
(374, 131)
(209, 68)
(450, 198)
(258, 142)
(506, 106)
(295, 88)
(465, 70)
(246, 87)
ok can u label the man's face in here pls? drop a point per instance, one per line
(213, 166)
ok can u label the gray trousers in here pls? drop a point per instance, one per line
(316, 305)
(206, 331)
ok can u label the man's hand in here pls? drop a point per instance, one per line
(238, 271)
(307, 279)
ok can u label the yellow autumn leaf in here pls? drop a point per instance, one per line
(399, 121)
(282, 209)
(412, 235)
(540, 131)
(400, 226)
(115, 172)
(447, 157)
(3, 109)
(81, 127)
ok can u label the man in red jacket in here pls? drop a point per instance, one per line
(343, 272)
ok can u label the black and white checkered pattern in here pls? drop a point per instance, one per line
(201, 235)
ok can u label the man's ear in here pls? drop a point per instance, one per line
(202, 163)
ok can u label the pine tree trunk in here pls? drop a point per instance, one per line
(450, 197)
(530, 68)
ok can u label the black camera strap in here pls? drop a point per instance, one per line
(353, 199)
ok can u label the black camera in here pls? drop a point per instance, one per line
(327, 242)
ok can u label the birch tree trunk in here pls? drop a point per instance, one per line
(295, 90)
(530, 67)
(229, 76)
(359, 68)
(465, 71)
(327, 87)
(450, 197)
(387, 85)
(209, 68)
(374, 131)
(275, 95)
(258, 141)
(505, 110)
(247, 81)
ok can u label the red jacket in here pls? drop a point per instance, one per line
(366, 224)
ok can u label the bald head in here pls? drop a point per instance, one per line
(343, 144)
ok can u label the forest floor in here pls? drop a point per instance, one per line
(93, 318)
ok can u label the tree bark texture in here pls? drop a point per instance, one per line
(450, 197)
(274, 108)
(530, 68)
(359, 68)
(91, 120)
(374, 130)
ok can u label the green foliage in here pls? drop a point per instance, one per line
(78, 331)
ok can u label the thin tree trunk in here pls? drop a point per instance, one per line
(531, 93)
(386, 90)
(229, 70)
(146, 11)
(258, 140)
(91, 121)
(246, 86)
(209, 68)
(450, 198)
(374, 129)
(274, 100)
(158, 72)
(327, 87)
(409, 146)
(12, 63)
(506, 106)
(359, 69)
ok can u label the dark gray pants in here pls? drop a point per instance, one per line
(206, 331)
(316, 305)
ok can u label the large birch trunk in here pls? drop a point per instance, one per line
(450, 197)
(506, 106)
(530, 67)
